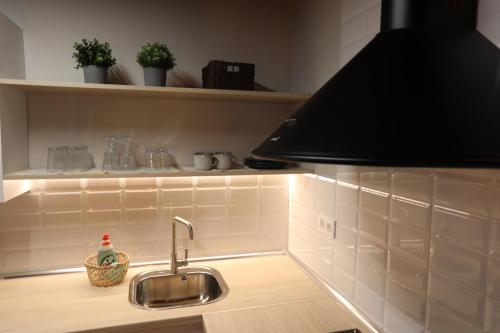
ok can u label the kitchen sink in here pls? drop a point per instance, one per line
(160, 289)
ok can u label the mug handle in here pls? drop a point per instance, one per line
(214, 162)
(234, 159)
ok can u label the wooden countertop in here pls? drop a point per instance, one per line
(321, 316)
(264, 288)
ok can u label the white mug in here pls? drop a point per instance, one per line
(224, 160)
(203, 161)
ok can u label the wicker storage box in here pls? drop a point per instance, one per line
(228, 75)
(106, 276)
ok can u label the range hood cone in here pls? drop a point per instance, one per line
(424, 92)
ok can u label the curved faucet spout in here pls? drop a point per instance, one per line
(174, 263)
(188, 225)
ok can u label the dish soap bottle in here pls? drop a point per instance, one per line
(106, 256)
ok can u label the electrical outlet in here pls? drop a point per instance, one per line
(326, 225)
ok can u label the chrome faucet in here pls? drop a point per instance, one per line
(174, 263)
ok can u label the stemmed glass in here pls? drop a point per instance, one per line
(111, 157)
(127, 158)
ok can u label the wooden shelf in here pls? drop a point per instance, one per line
(146, 173)
(154, 92)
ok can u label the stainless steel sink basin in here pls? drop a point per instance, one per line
(157, 290)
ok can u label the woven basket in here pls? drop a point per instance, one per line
(106, 276)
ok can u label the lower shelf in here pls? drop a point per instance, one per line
(145, 173)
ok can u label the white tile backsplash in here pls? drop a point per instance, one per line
(20, 221)
(442, 320)
(411, 304)
(177, 182)
(462, 230)
(326, 198)
(391, 223)
(409, 241)
(211, 182)
(375, 179)
(466, 193)
(141, 216)
(23, 204)
(246, 195)
(494, 266)
(97, 200)
(104, 218)
(372, 275)
(370, 303)
(410, 213)
(397, 321)
(68, 219)
(105, 184)
(243, 211)
(374, 202)
(64, 186)
(141, 199)
(178, 197)
(408, 271)
(374, 226)
(62, 201)
(59, 223)
(495, 320)
(414, 184)
(345, 239)
(343, 282)
(345, 260)
(456, 298)
(462, 265)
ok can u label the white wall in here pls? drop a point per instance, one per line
(316, 43)
(11, 50)
(196, 31)
(489, 12)
(13, 135)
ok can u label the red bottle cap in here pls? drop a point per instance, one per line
(105, 240)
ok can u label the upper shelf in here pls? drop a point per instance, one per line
(154, 92)
(146, 173)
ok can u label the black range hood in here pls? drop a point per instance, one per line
(424, 92)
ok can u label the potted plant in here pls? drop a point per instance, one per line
(156, 59)
(95, 58)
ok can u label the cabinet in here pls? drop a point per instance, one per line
(35, 115)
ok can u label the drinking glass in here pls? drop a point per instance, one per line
(127, 156)
(80, 159)
(58, 158)
(111, 157)
(161, 158)
(149, 158)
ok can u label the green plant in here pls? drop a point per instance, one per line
(88, 53)
(156, 55)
